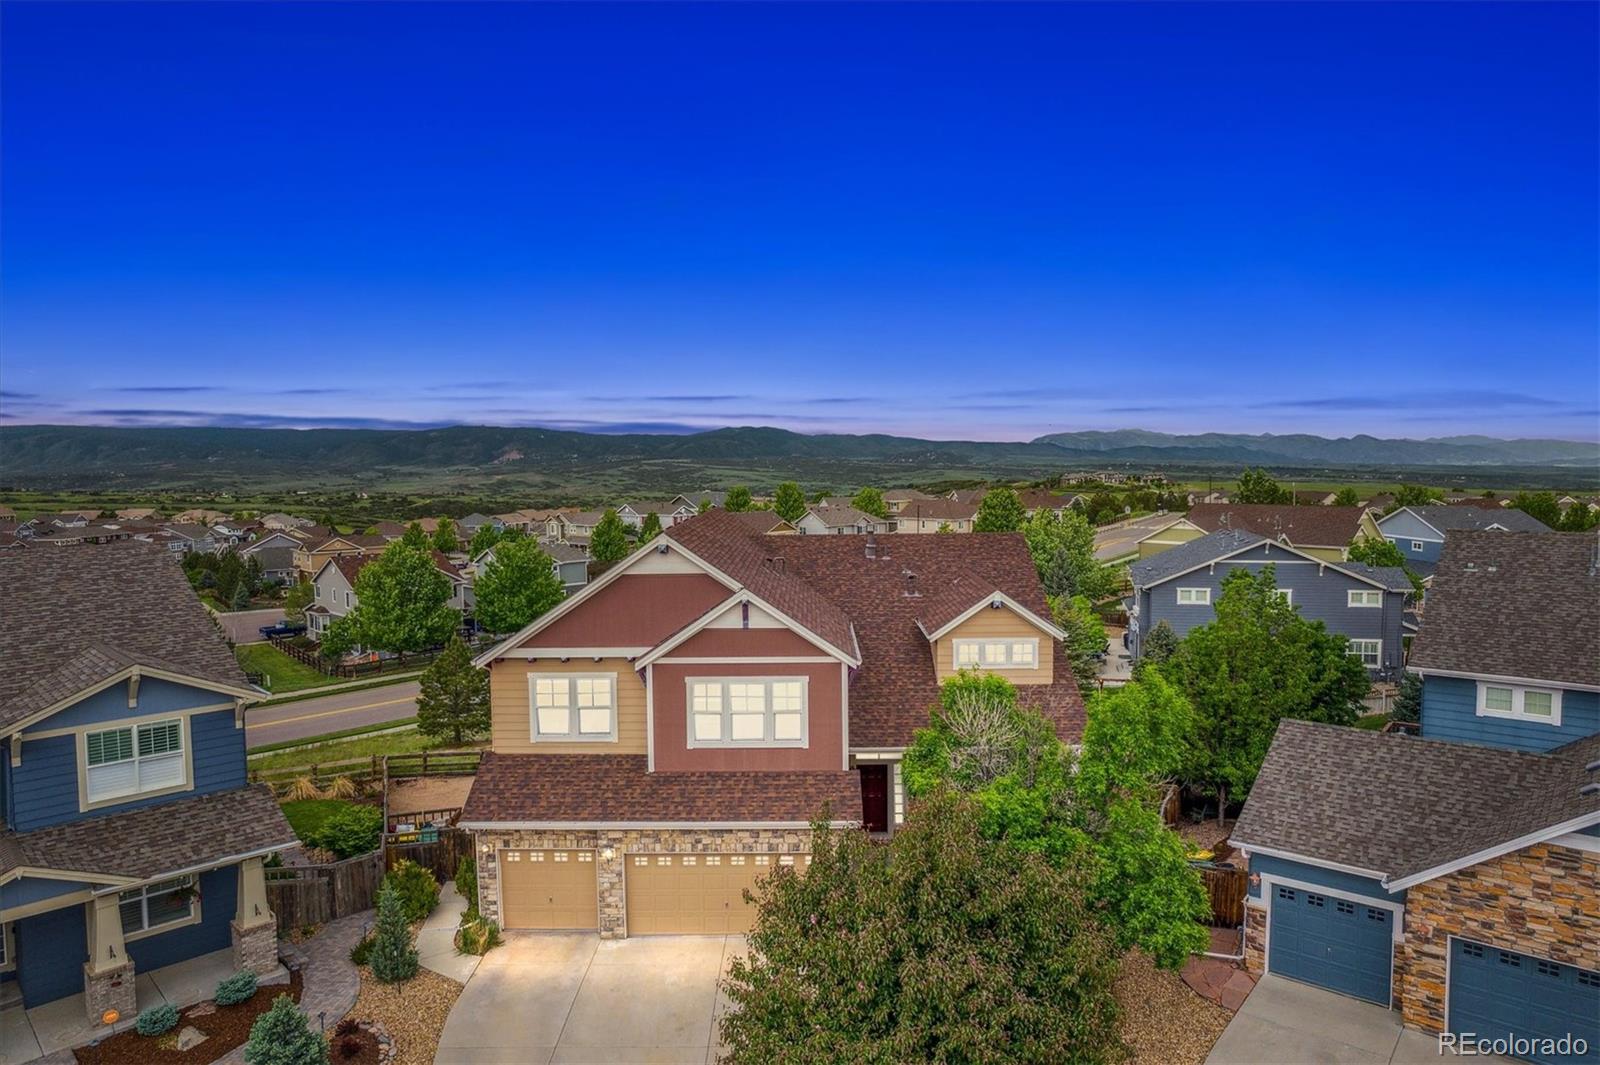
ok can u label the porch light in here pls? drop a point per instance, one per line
(110, 1017)
(1255, 879)
(607, 853)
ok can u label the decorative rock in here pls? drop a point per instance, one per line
(202, 1009)
(190, 1037)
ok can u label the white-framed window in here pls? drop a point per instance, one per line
(346, 598)
(133, 760)
(1369, 651)
(1194, 596)
(748, 712)
(1517, 701)
(1416, 547)
(572, 706)
(7, 952)
(1005, 653)
(1364, 597)
(1286, 594)
(154, 906)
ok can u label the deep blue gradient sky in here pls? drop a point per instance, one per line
(953, 221)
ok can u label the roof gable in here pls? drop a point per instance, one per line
(1307, 526)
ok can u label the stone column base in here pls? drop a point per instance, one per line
(109, 989)
(1255, 938)
(256, 947)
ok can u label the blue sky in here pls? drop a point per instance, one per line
(951, 221)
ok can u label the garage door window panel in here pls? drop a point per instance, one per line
(573, 707)
(748, 712)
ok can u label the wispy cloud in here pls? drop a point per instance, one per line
(587, 426)
(312, 391)
(148, 416)
(1460, 397)
(165, 389)
(18, 395)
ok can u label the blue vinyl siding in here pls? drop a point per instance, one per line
(156, 697)
(1402, 527)
(1268, 865)
(219, 890)
(30, 889)
(44, 788)
(1450, 712)
(51, 950)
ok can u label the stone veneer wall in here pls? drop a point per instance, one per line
(623, 842)
(1544, 901)
(1255, 936)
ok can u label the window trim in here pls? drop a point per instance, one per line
(1352, 595)
(1360, 655)
(1205, 599)
(803, 743)
(144, 894)
(573, 736)
(185, 737)
(1286, 594)
(8, 948)
(1519, 694)
(1417, 547)
(981, 641)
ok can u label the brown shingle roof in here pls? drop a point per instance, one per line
(76, 616)
(1490, 607)
(1441, 801)
(609, 788)
(156, 839)
(939, 510)
(761, 521)
(1301, 526)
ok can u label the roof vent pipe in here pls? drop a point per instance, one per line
(911, 584)
(872, 546)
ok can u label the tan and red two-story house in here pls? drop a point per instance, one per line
(666, 736)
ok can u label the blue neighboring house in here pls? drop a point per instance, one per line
(131, 837)
(1419, 532)
(1365, 604)
(1455, 876)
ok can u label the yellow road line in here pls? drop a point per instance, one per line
(329, 713)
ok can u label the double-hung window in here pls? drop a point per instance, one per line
(1194, 596)
(1369, 651)
(747, 712)
(1528, 704)
(1417, 547)
(573, 706)
(1364, 597)
(149, 908)
(1286, 594)
(134, 760)
(1008, 653)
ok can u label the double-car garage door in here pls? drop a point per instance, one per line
(666, 893)
(1498, 994)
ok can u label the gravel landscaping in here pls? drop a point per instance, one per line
(413, 1013)
(1163, 1021)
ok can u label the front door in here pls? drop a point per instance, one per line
(875, 797)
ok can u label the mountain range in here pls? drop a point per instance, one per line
(88, 456)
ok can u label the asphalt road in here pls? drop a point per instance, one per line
(1121, 540)
(243, 626)
(329, 713)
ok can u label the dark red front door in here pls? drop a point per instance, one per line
(875, 797)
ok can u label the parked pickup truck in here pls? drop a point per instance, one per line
(282, 628)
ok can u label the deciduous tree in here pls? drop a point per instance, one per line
(295, 600)
(1414, 495)
(445, 538)
(1541, 505)
(869, 500)
(789, 502)
(518, 585)
(650, 528)
(403, 602)
(737, 499)
(1086, 637)
(610, 540)
(417, 537)
(1258, 486)
(1380, 552)
(486, 537)
(1000, 511)
(1347, 497)
(1062, 546)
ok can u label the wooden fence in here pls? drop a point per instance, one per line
(303, 895)
(440, 856)
(306, 653)
(433, 764)
(361, 771)
(1226, 888)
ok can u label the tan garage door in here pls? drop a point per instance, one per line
(549, 889)
(696, 893)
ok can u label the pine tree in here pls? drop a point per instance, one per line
(416, 536)
(283, 1036)
(610, 540)
(453, 700)
(393, 958)
(650, 528)
(445, 538)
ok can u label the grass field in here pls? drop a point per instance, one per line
(283, 673)
(407, 742)
(307, 815)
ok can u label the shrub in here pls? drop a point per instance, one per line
(467, 886)
(416, 887)
(236, 988)
(350, 1046)
(282, 1036)
(341, 788)
(348, 1026)
(361, 953)
(477, 935)
(157, 1020)
(393, 957)
(302, 788)
(351, 831)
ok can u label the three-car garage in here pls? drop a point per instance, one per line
(1501, 995)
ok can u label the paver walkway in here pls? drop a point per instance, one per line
(1220, 980)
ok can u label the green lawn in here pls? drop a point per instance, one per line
(1372, 722)
(342, 750)
(283, 673)
(307, 815)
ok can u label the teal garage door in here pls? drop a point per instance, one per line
(1497, 994)
(1334, 943)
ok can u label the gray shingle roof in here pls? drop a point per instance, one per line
(1185, 557)
(71, 617)
(1490, 607)
(1448, 518)
(1401, 805)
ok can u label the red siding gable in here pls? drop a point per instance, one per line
(635, 610)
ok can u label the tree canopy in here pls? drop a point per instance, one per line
(445, 538)
(869, 500)
(486, 537)
(453, 696)
(1259, 486)
(1000, 511)
(1347, 497)
(416, 536)
(650, 528)
(789, 502)
(1414, 495)
(518, 585)
(610, 540)
(1062, 546)
(1380, 552)
(1086, 637)
(403, 602)
(1541, 505)
(737, 499)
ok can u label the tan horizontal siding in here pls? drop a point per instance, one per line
(508, 706)
(987, 624)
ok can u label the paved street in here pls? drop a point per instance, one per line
(330, 713)
(1119, 541)
(243, 626)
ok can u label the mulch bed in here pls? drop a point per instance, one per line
(226, 1027)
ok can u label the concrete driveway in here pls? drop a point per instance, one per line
(243, 626)
(1288, 1022)
(572, 997)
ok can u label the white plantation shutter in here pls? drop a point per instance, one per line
(109, 781)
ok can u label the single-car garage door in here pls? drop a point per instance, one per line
(1335, 943)
(549, 889)
(696, 893)
(1497, 994)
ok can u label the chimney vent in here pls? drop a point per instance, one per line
(911, 584)
(776, 562)
(872, 546)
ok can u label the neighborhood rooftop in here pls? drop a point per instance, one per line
(1213, 546)
(1303, 525)
(1447, 518)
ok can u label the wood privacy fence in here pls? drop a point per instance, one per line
(303, 895)
(1226, 888)
(433, 764)
(440, 856)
